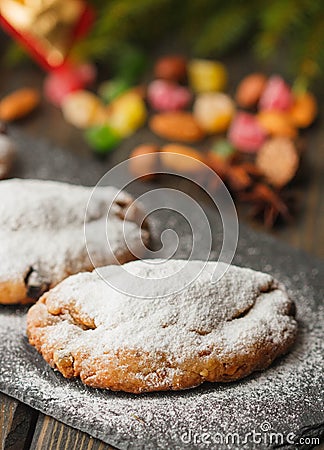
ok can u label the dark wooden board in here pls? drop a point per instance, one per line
(17, 423)
(54, 435)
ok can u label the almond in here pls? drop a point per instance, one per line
(19, 104)
(146, 166)
(178, 126)
(250, 89)
(181, 158)
(171, 67)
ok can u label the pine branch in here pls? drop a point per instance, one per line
(276, 20)
(309, 56)
(14, 55)
(210, 28)
(120, 21)
(225, 29)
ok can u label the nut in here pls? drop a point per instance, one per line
(173, 156)
(147, 165)
(250, 89)
(178, 126)
(19, 104)
(172, 67)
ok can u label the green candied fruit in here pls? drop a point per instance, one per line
(223, 148)
(102, 138)
(111, 89)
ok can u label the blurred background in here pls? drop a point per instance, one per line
(237, 85)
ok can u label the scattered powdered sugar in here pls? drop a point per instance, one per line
(286, 398)
(42, 227)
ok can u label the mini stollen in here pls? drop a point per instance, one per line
(222, 331)
(42, 236)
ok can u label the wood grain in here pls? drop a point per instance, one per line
(54, 435)
(17, 423)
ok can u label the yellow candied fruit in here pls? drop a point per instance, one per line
(207, 76)
(127, 113)
(204, 373)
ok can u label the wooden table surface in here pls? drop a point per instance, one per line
(22, 427)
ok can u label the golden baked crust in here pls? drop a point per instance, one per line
(207, 332)
(42, 236)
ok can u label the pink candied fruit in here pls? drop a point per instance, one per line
(66, 79)
(245, 133)
(276, 95)
(165, 95)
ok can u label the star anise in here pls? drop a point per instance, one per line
(267, 203)
(237, 174)
(240, 177)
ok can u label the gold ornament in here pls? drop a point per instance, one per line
(49, 23)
